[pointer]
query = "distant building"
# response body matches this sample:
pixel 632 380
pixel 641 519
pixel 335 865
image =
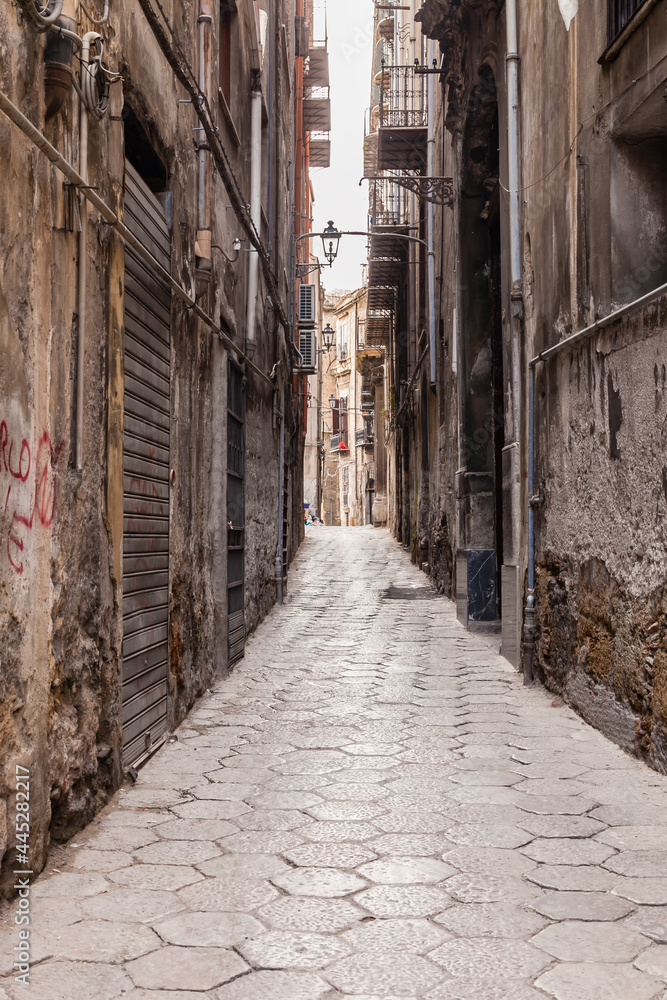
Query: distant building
pixel 349 405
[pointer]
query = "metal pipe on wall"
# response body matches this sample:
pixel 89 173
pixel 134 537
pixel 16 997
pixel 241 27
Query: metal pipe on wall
pixel 513 182
pixel 42 143
pixel 430 166
pixel 203 250
pixel 513 162
pixel 83 256
pixel 255 215
pixel 281 482
pixel 512 451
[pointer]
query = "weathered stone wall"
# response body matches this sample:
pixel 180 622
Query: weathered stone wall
pixel 60 530
pixel 594 237
pixel 602 538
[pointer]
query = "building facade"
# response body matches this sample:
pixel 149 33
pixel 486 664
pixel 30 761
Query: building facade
pixel 346 404
pixel 152 418
pixel 518 229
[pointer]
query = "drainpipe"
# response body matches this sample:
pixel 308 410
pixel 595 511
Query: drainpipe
pixel 204 264
pixel 513 166
pixel 430 160
pixel 516 303
pixel 255 215
pixel 279 553
pixel 58 56
pixel 529 612
pixel 271 185
pixel 83 254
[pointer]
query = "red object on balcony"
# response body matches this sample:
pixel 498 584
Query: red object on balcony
pixel 342 446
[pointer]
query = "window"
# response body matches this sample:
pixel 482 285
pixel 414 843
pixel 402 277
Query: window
pixel 226 17
pixel 620 13
pixel 362 333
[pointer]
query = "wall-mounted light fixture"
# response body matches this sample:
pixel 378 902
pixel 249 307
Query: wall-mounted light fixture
pixel 330 240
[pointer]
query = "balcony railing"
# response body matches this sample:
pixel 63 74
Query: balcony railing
pixel 620 13
pixel 363 438
pixel 337 440
pixel 389 203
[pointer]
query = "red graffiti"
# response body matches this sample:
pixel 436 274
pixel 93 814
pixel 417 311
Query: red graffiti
pixel 32 502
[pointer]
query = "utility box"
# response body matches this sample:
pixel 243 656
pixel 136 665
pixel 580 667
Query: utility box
pixel 307 305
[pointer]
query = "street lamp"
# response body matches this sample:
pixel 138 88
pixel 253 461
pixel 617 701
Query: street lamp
pixel 330 240
pixel 332 401
pixel 328 334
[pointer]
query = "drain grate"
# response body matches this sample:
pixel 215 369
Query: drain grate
pixel 408 594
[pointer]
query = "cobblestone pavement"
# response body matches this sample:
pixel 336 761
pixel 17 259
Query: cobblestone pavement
pixel 371 806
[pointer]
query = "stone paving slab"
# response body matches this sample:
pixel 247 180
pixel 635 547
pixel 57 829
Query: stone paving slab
pixel 370 807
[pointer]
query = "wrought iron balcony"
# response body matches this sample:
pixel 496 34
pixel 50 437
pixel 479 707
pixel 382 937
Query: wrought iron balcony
pixel 317 69
pixel 339 442
pixel 403 119
pixel 389 203
pixel 319 148
pixel 379 316
pixel 317 110
pixel 364 438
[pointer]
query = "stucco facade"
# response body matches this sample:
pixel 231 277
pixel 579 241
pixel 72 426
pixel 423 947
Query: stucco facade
pixel 350 398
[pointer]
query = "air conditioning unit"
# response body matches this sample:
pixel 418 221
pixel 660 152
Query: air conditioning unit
pixel 307 305
pixel 308 351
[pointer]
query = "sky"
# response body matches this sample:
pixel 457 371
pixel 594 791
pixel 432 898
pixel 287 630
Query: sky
pixel 337 192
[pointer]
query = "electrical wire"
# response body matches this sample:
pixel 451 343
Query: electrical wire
pixel 583 122
pixel 105 15
pixel 184 73
pixel 96 80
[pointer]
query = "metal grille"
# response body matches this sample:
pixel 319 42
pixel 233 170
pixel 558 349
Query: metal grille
pixel 402 98
pixel 235 513
pixel 389 203
pixel 337 440
pixel 147 322
pixel 621 13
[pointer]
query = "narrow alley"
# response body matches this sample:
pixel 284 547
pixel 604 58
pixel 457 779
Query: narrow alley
pixel 372 805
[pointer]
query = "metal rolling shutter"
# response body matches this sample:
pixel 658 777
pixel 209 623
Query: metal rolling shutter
pixel 145 475
pixel 235 513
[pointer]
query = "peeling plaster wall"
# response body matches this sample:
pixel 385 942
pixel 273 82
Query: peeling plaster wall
pixel 595 237
pixel 602 540
pixel 61 531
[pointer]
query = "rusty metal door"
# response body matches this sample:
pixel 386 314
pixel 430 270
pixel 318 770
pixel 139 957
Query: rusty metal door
pixel 147 321
pixel 235 512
